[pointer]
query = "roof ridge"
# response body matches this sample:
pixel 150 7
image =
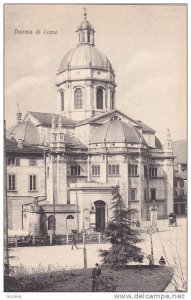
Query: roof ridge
pixel 109 124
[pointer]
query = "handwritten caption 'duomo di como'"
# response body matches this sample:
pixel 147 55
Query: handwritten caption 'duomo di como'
pixel 37 31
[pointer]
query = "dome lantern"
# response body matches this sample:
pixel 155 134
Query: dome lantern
pixel 86 31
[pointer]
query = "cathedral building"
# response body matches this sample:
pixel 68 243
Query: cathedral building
pixel 88 147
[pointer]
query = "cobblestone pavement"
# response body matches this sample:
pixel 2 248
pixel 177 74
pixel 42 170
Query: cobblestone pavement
pixel 171 242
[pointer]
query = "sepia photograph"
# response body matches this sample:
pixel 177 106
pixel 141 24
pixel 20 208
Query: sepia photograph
pixel 95 148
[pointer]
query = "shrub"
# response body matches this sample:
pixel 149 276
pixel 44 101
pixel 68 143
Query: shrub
pixel 37 279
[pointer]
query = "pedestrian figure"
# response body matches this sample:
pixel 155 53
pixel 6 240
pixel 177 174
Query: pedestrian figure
pixel 138 224
pixel 162 261
pixel 95 277
pixel 74 241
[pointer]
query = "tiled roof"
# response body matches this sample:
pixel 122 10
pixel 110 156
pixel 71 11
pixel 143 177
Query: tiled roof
pixel 46 118
pixel 12 146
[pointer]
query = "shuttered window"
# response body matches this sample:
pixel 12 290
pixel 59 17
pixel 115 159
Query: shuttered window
pixel 32 183
pixel 11 182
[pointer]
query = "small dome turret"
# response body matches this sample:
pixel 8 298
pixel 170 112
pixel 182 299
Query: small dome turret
pixel 25 131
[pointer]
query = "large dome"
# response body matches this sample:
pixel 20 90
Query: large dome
pixel 116 131
pixel 84 56
pixel 25 131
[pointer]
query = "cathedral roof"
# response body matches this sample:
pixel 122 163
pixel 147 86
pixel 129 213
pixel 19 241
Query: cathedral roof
pixel 116 131
pixel 100 116
pixel 46 118
pixel 84 56
pixel 25 131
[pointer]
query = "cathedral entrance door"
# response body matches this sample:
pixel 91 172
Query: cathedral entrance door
pixel 100 215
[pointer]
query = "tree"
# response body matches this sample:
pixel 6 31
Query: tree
pixel 122 236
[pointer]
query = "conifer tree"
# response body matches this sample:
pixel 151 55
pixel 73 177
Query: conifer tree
pixel 122 236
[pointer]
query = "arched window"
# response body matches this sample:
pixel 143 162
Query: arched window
pixel 83 36
pixel 78 99
pixel 99 98
pixel 70 223
pixel 51 223
pixel 70 217
pixel 88 34
pixel 62 100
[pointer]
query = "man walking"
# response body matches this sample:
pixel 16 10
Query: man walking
pixel 74 241
pixel 95 277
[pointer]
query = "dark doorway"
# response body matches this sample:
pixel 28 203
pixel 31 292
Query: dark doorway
pixel 100 215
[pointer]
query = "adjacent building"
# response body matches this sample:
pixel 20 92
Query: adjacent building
pixel 180 189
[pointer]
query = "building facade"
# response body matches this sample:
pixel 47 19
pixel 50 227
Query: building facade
pixel 180 189
pixel 26 179
pixel 92 147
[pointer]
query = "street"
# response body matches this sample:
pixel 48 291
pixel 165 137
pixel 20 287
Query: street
pixel 169 242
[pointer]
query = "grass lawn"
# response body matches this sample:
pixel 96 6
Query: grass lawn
pixel 138 278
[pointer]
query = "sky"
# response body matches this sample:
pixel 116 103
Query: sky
pixel 146 45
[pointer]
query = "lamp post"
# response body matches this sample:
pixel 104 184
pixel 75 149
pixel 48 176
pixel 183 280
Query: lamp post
pixel 153 228
pixel 152 254
pixel 84 250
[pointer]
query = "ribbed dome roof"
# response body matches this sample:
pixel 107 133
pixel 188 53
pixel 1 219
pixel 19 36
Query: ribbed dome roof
pixel 83 56
pixel 158 144
pixel 116 131
pixel 26 131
